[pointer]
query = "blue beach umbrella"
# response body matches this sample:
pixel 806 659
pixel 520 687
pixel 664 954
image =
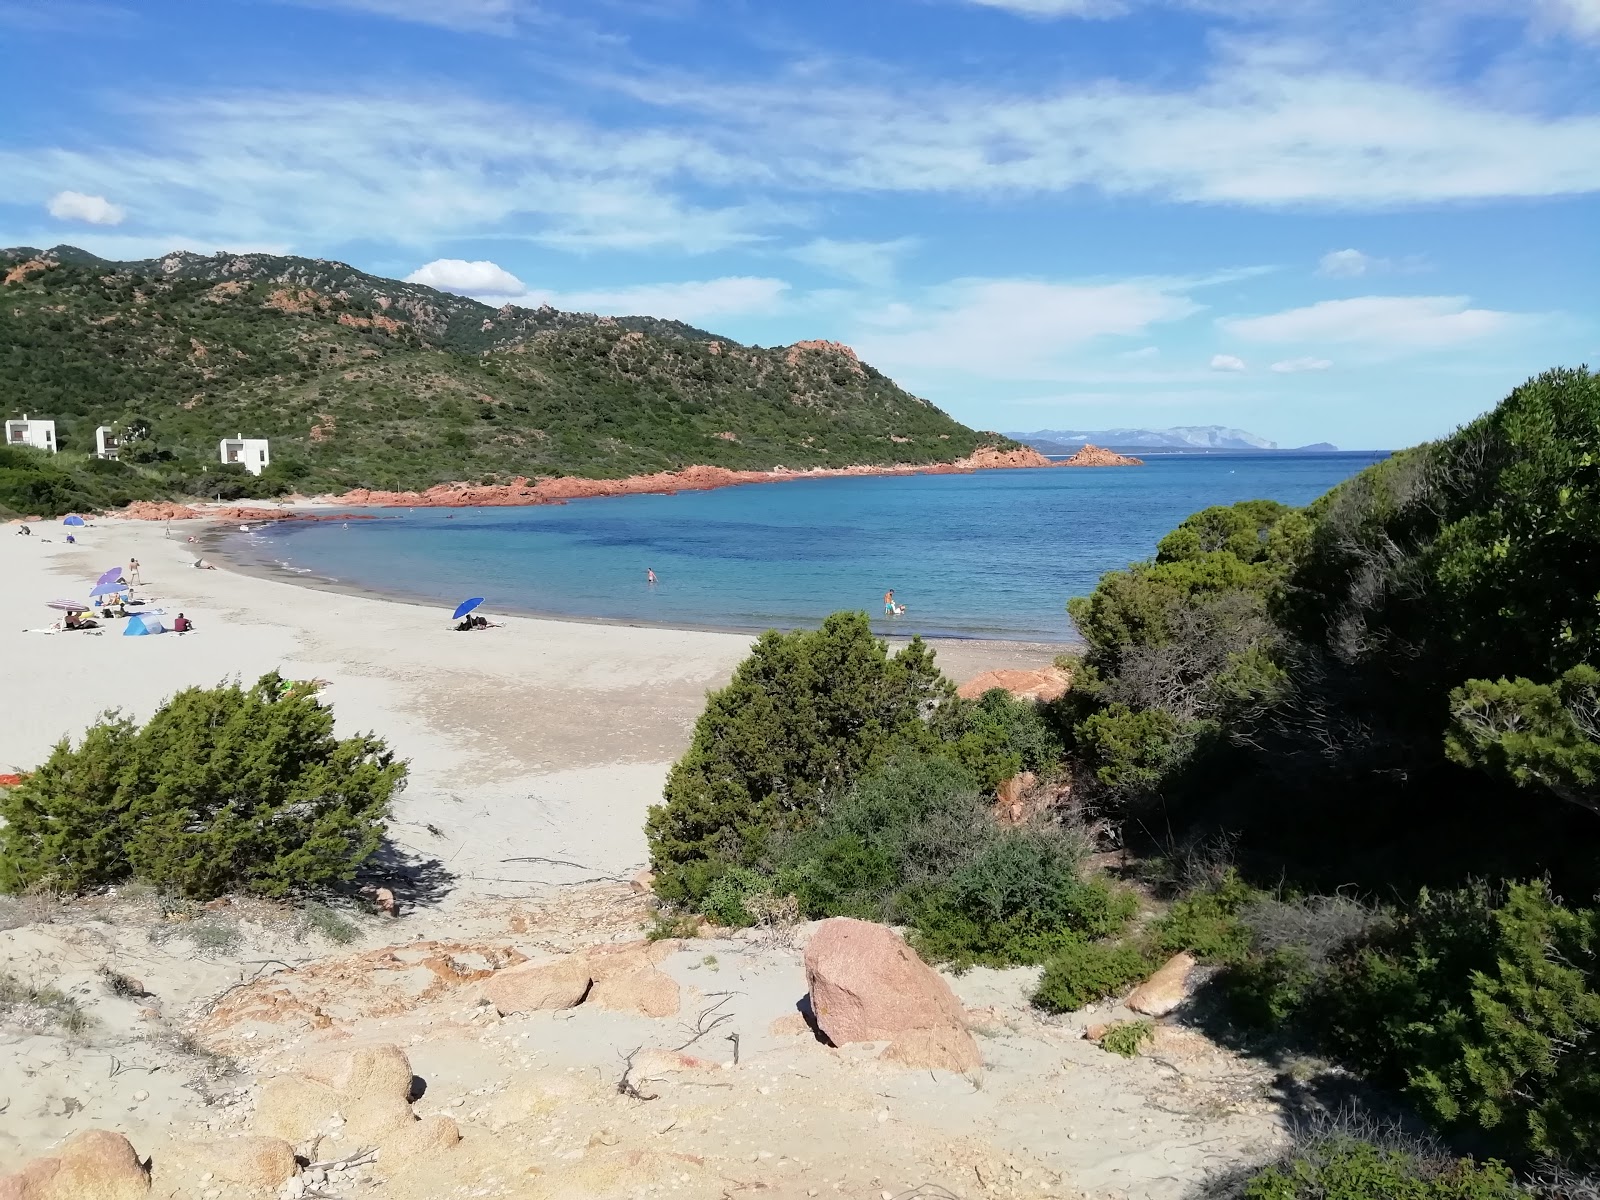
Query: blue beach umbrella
pixel 107 589
pixel 465 607
pixel 74 519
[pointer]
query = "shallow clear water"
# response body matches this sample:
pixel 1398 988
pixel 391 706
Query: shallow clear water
pixel 990 554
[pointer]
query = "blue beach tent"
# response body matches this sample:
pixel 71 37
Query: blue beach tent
pixel 74 519
pixel 140 624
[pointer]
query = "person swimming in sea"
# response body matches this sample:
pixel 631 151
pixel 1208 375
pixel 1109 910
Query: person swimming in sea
pixel 888 603
pixel 649 575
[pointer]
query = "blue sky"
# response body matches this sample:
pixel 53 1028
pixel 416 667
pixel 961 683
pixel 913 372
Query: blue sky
pixel 1315 219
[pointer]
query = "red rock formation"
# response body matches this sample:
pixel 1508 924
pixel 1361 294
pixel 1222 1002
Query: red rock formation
pixel 986 458
pixel 823 347
pixel 1099 456
pixel 157 510
pixel 867 985
pixel 1048 683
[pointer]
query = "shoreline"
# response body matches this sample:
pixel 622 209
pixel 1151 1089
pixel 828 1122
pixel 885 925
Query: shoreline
pixel 543 738
pixel 559 489
pixel 213 538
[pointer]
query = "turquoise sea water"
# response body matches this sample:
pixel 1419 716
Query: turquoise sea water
pixel 991 554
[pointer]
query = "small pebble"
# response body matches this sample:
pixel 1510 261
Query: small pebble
pixel 140 1097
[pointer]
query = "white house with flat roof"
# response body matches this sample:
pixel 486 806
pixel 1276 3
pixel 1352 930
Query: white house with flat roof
pixel 106 442
pixel 250 453
pixel 30 431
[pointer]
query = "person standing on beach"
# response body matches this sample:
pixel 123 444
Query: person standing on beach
pixel 649 575
pixel 133 572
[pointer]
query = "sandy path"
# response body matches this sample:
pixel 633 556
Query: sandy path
pixel 544 739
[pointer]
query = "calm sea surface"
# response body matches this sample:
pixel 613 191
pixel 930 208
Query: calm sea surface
pixel 992 554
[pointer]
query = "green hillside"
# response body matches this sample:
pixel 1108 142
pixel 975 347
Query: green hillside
pixel 368 382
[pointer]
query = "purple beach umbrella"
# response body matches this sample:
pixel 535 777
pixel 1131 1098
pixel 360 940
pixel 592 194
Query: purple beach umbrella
pixel 110 576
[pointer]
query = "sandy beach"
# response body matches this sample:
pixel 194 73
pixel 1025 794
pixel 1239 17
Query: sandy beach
pixel 535 749
pixel 540 740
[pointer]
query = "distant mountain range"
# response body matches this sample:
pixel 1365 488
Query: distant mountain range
pixel 1179 437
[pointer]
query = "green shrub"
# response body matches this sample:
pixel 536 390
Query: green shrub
pixel 1536 735
pixel 1348 1169
pixel 1485 1010
pixel 724 902
pixel 1082 972
pixel 998 736
pixel 805 716
pixel 1020 899
pixel 223 789
pixel 1133 752
pixel 1207 923
pixel 1125 1037
pixel 1269 990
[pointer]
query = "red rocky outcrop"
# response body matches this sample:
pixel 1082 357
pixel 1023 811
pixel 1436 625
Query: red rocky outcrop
pixel 867 985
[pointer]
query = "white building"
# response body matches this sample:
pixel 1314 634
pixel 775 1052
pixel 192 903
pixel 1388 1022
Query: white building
pixel 106 443
pixel 29 432
pixel 250 453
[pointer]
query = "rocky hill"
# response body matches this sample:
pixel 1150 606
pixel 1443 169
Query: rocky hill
pixel 368 382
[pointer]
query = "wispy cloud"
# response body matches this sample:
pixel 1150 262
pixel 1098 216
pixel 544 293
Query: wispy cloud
pixel 313 169
pixel 1017 328
pixel 1227 362
pixel 866 262
pixel 1261 130
pixel 1293 366
pixel 1405 322
pixel 476 16
pixel 1344 264
pixel 694 300
pixel 1058 8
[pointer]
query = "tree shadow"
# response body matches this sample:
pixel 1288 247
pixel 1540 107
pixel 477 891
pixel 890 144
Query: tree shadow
pixel 415 879
pixel 1317 1099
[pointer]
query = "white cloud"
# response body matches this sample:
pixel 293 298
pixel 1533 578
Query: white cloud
pixel 1016 328
pixel 469 278
pixel 689 301
pixel 1143 352
pixel 1291 366
pixel 1261 130
pixel 1581 17
pixel 75 206
pixel 871 263
pixel 314 169
pixel 1417 322
pixel 1344 264
pixel 482 16
pixel 1058 8
pixel 1227 362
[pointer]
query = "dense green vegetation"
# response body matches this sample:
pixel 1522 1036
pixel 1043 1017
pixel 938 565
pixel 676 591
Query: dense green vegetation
pixel 365 382
pixel 1355 749
pixel 223 789
pixel 854 781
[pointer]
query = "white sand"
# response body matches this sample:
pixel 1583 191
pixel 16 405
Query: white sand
pixel 541 740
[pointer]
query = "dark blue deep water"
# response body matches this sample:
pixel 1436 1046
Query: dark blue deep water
pixel 991 554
